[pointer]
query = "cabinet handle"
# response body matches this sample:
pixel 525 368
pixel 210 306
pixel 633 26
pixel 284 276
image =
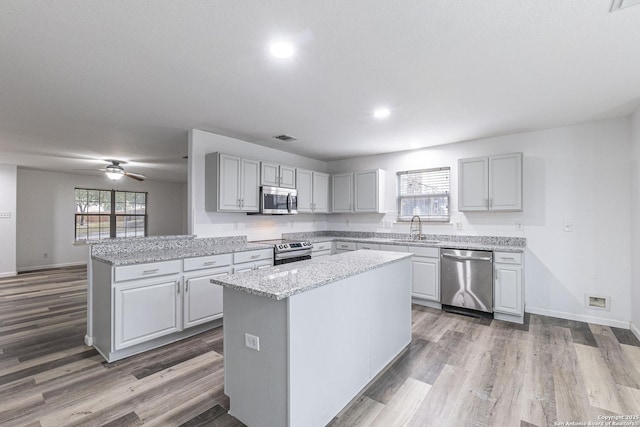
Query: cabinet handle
pixel 178 287
pixel 186 286
pixel 210 262
pixel 255 256
pixel 510 258
pixel 155 270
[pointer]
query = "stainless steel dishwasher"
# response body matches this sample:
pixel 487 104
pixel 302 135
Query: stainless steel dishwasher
pixel 466 281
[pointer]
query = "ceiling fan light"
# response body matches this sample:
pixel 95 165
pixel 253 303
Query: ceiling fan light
pixel 114 175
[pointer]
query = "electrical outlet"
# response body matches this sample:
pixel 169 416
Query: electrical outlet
pixel 235 225
pixel 458 225
pixel 567 226
pixel 519 226
pixel 252 341
pixel 348 223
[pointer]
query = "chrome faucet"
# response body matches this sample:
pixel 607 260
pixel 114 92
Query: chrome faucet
pixel 412 229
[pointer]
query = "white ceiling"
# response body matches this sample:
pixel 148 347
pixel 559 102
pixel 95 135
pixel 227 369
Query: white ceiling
pixel 84 80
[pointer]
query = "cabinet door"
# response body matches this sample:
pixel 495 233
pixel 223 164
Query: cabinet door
pixel 320 192
pixel 269 174
pixel 203 299
pixel 250 193
pixel 287 177
pixel 305 190
pixel 366 191
pixel 144 311
pixel 342 193
pixel 426 278
pixel 473 188
pixel 508 289
pixel 229 183
pixel 505 182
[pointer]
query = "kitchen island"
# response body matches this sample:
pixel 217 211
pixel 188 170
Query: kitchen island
pixel 302 339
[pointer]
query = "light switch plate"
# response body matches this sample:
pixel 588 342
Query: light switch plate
pixel 5 215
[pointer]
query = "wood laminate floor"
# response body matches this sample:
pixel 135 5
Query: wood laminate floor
pixel 458 371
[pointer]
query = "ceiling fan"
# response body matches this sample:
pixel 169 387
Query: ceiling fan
pixel 114 171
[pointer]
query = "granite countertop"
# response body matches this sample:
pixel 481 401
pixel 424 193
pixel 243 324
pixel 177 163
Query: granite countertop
pixel 186 251
pixel 285 280
pixel 422 243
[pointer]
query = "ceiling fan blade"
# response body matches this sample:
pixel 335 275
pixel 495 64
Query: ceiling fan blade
pixel 136 176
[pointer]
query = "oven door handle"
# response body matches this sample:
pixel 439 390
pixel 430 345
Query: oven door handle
pixel 293 254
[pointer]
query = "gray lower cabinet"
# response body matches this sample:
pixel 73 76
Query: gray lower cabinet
pixel 508 289
pixel 425 266
pixel 144 310
pixel 143 306
pixel 321 249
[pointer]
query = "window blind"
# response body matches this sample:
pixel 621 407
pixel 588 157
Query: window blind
pixel 424 193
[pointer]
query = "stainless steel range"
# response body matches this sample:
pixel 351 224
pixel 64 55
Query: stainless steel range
pixel 286 251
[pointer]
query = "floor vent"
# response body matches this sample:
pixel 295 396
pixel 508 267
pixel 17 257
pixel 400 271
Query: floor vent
pixel 285 137
pixel 623 4
pixel 597 302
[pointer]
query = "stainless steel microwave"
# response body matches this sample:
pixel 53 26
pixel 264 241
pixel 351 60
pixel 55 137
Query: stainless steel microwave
pixel 278 201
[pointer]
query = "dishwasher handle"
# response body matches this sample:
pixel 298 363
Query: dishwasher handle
pixel 467 258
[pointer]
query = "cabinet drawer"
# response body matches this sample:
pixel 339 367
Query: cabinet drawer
pixel 322 246
pixel 316 254
pixel 422 251
pixel 211 261
pixel 346 246
pixel 249 256
pixel 369 246
pixel 507 257
pixel 152 269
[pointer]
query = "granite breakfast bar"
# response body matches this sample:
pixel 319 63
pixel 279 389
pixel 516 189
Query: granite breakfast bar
pixel 302 339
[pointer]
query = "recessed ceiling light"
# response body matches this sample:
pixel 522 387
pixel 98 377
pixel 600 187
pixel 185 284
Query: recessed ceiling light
pixel 282 50
pixel 381 113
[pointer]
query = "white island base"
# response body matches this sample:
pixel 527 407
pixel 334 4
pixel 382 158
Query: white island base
pixel 317 349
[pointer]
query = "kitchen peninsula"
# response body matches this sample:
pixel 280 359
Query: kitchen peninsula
pixel 302 339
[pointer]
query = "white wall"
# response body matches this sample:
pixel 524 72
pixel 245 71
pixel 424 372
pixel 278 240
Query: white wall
pixel 255 227
pixel 581 173
pixel 46 207
pixel 635 224
pixel 8 176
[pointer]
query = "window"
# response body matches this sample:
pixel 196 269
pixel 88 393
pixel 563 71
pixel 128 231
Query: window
pixel 104 214
pixel 424 193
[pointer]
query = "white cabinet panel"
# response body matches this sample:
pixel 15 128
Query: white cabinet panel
pixel 313 191
pixel 144 311
pixel 342 193
pixel 203 299
pixel 426 278
pixel 275 175
pixel 231 183
pixel 369 190
pixel 305 190
pixel 508 286
pixel 505 182
pixel 491 183
pixel 473 186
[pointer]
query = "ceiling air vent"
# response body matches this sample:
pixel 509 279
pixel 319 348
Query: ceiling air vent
pixel 623 4
pixel 285 137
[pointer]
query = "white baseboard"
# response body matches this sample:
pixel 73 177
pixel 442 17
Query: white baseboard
pixel 45 267
pixel 579 317
pixel 635 330
pixel 9 274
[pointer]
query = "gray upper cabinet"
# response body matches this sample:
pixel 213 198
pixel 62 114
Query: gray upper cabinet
pixel 313 191
pixel 358 192
pixel 492 183
pixel 276 175
pixel 231 183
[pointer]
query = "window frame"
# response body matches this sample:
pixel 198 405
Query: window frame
pixel 425 218
pixel 112 215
